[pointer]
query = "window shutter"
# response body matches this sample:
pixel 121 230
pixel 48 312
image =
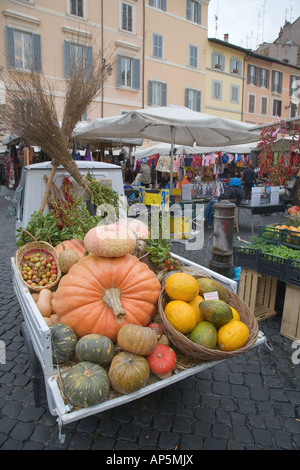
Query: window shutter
pixel 222 62
pixel 248 74
pixel 280 82
pixel 80 8
pixel 164 94
pixel 187 95
pixel 199 13
pixel 188 10
pixel 136 74
pixel 89 59
pixel 256 76
pixel 36 53
pixel 232 65
pixel 119 70
pixel 67 59
pixel 198 101
pixel 260 77
pixel 10 47
pixel 150 93
pixel 214 59
pixel 268 79
pixel 239 67
pixel 164 5
pixel 124 16
pixel 273 80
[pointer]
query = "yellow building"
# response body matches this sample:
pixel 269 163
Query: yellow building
pixel 175 53
pixel 225 79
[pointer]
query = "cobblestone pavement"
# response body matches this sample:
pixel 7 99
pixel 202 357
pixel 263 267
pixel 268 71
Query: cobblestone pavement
pixel 248 402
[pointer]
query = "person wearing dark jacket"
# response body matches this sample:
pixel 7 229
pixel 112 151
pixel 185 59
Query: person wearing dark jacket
pixel 234 193
pixel 249 180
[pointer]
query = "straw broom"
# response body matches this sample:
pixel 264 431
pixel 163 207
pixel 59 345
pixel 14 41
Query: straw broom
pixel 30 112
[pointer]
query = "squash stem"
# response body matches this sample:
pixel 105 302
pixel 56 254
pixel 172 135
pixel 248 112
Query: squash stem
pixel 112 298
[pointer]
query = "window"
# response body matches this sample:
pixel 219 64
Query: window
pixel 193 11
pixel 276 108
pixel 294 110
pixel 162 4
pixel 128 72
pixel 294 85
pixel 236 66
pixel 251 104
pixel 252 78
pixel 127 17
pixel 23 50
pixel 157 45
pixel 76 7
pixel 218 60
pixel 193 56
pixel 264 105
pixel 264 78
pixel 193 99
pixel 157 93
pixel 77 55
pixel 217 90
pixel 276 81
pixel 234 93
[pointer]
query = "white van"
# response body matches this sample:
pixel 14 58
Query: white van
pixel 32 186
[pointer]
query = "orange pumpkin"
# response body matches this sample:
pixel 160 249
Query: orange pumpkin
pixel 100 295
pixel 73 244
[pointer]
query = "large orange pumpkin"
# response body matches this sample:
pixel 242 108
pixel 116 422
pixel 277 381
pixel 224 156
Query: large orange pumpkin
pixel 99 295
pixel 73 244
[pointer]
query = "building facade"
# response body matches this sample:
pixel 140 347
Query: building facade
pixel 157 53
pixel 225 73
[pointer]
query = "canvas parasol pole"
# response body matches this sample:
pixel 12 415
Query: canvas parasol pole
pixel 171 164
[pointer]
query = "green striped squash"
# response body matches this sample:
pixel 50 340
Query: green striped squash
pixel 95 348
pixel 86 384
pixel 217 312
pixel 64 340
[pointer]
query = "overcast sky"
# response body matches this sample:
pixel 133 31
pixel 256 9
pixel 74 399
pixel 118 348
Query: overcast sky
pixel 250 22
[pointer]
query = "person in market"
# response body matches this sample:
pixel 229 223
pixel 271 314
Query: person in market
pixel 249 180
pixel 295 191
pixel 234 193
pixel 146 174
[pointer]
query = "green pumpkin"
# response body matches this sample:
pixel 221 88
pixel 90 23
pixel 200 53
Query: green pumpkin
pixel 217 312
pixel 86 384
pixel 205 334
pixel 64 341
pixel 95 348
pixel 128 372
pixel 210 285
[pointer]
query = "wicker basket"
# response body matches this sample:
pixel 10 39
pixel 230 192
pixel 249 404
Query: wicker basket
pixel 31 247
pixel 197 352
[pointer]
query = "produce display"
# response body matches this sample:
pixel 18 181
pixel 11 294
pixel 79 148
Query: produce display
pixel 39 268
pixel 107 333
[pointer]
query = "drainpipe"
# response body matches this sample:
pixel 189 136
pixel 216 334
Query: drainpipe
pixel 102 50
pixel 143 59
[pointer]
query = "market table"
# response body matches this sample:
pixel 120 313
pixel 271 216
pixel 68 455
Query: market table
pixel 263 209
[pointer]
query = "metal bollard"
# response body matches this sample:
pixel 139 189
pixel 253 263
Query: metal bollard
pixel 222 251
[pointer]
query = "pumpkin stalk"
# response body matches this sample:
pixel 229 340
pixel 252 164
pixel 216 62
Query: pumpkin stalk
pixel 112 299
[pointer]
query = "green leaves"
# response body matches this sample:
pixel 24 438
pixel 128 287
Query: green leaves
pixel 160 253
pixel 42 228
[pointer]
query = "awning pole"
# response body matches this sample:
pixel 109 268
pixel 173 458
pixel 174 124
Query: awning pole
pixel 171 165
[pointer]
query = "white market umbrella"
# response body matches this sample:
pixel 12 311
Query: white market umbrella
pixel 175 124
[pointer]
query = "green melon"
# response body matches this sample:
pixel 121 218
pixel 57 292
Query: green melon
pixel 95 348
pixel 205 334
pixel 86 384
pixel 217 312
pixel 209 285
pixel 63 340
